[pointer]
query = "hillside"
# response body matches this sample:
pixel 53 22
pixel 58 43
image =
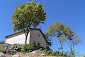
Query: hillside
pixel 30 54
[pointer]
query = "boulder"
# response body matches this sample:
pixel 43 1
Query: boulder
pixel 2 54
pixel 15 55
pixel 34 52
pixel 9 47
pixel 43 54
pixel 12 52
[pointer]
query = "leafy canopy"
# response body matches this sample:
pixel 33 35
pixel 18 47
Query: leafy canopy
pixel 28 15
pixel 58 30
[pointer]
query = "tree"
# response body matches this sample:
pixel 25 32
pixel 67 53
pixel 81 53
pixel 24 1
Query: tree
pixel 48 41
pixel 73 39
pixel 76 40
pixel 57 30
pixel 64 34
pixel 28 15
pixel 69 34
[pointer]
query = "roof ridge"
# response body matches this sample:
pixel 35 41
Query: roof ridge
pixel 21 32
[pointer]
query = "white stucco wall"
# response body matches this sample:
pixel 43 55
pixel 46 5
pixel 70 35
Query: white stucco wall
pixel 37 39
pixel 33 36
pixel 18 39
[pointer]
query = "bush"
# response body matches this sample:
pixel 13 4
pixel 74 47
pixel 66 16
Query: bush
pixel 64 54
pixel 60 54
pixel 40 49
pixel 2 42
pixel 57 53
pixel 1 49
pixel 44 51
pixel 47 52
pixel 27 47
pixel 48 48
pixel 52 53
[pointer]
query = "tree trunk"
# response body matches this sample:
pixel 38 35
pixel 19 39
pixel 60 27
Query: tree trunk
pixel 70 45
pixel 73 45
pixel 61 47
pixel 73 48
pixel 26 35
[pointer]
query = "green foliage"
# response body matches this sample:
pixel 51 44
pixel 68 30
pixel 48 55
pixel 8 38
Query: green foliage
pixel 48 48
pixel 40 49
pixel 47 52
pixel 70 53
pixel 2 42
pixel 52 53
pixel 64 54
pixel 1 49
pixel 76 54
pixel 58 30
pixel 48 41
pixel 57 52
pixel 27 47
pixel 64 34
pixel 27 15
pixel 82 55
pixel 60 53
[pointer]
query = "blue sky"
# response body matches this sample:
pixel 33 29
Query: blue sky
pixel 69 12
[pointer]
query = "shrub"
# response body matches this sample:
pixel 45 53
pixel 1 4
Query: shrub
pixel 1 49
pixel 47 52
pixel 52 53
pixel 57 53
pixel 48 48
pixel 40 49
pixel 64 54
pixel 44 51
pixel 27 47
pixel 2 42
pixel 60 54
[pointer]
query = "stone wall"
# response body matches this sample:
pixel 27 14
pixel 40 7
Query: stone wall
pixel 11 48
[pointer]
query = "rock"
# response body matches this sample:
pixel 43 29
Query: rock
pixel 12 52
pixel 43 54
pixel 15 55
pixel 9 47
pixel 34 52
pixel 2 54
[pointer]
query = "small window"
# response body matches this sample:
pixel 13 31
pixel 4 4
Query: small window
pixel 38 44
pixel 39 35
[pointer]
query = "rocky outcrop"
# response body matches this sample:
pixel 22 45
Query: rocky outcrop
pixel 12 46
pixel 2 54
